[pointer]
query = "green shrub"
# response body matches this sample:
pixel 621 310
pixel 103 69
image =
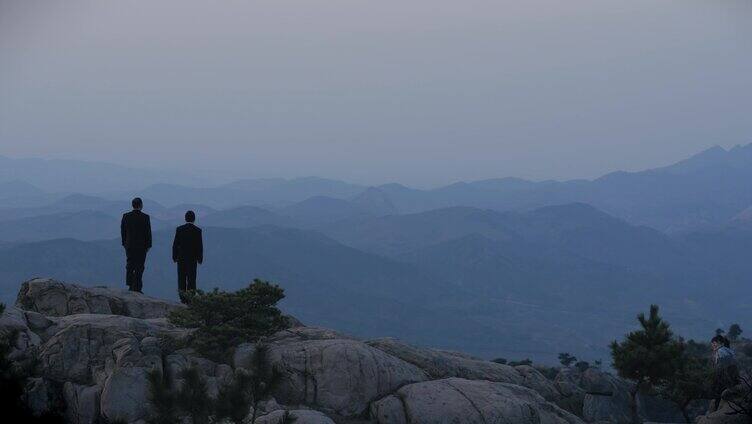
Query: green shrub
pixel 582 366
pixel 192 396
pixel 164 409
pixel 567 359
pixel 225 319
pixel 526 361
pixel 548 372
pixel 234 401
pixel 649 356
pixel 734 332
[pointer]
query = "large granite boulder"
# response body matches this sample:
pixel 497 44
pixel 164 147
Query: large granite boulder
pixel 334 372
pixel 442 364
pixel 14 322
pixel 724 415
pixel 83 345
pixel 572 395
pixel 534 379
pixel 456 400
pixel 96 346
pixel 55 298
pixel 124 397
pixel 82 403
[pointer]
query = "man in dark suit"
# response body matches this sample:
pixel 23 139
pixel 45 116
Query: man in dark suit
pixel 188 252
pixel 135 234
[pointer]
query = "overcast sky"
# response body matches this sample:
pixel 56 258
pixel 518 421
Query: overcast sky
pixel 422 92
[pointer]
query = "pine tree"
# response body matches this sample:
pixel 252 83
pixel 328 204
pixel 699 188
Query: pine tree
pixel 567 359
pixel 734 331
pixel 582 366
pixel 162 398
pixel 648 356
pixel 192 396
pixel 690 381
pixel 225 319
pixel 235 399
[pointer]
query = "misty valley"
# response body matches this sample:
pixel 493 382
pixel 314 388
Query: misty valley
pixel 504 267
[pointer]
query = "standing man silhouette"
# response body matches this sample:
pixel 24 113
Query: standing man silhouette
pixel 188 252
pixel 135 234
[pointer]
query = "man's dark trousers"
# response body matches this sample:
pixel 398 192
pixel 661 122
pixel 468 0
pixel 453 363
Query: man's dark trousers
pixel 187 275
pixel 134 268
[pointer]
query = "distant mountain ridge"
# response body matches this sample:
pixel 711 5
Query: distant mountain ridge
pixel 706 190
pixel 531 273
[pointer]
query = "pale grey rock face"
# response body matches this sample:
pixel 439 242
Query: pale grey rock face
pixel 342 375
pixel 602 383
pixel 456 400
pixel 82 344
pixel 572 395
pixel 95 358
pixel 599 396
pixel 308 333
pixel 390 409
pixel 14 320
pixel 124 396
pixel 724 415
pixel 302 416
pixel 54 298
pixel 533 379
pixel 82 403
pixel 442 364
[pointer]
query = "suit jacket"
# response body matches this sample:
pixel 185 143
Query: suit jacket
pixel 135 230
pixel 188 245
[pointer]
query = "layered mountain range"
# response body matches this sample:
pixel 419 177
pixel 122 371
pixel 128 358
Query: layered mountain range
pixel 502 267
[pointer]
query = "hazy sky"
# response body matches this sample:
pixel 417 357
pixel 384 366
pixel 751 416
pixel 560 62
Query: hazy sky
pixel 422 92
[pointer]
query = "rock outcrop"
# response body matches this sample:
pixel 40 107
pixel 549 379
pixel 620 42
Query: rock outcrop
pixel 442 364
pixel 96 346
pixel 54 298
pixel 457 400
pixel 334 372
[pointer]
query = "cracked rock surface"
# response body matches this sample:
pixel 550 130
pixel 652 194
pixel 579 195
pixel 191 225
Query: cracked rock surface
pixel 459 400
pixel 95 347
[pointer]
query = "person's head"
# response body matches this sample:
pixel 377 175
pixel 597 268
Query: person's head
pixel 719 341
pixel 137 203
pixel 190 216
